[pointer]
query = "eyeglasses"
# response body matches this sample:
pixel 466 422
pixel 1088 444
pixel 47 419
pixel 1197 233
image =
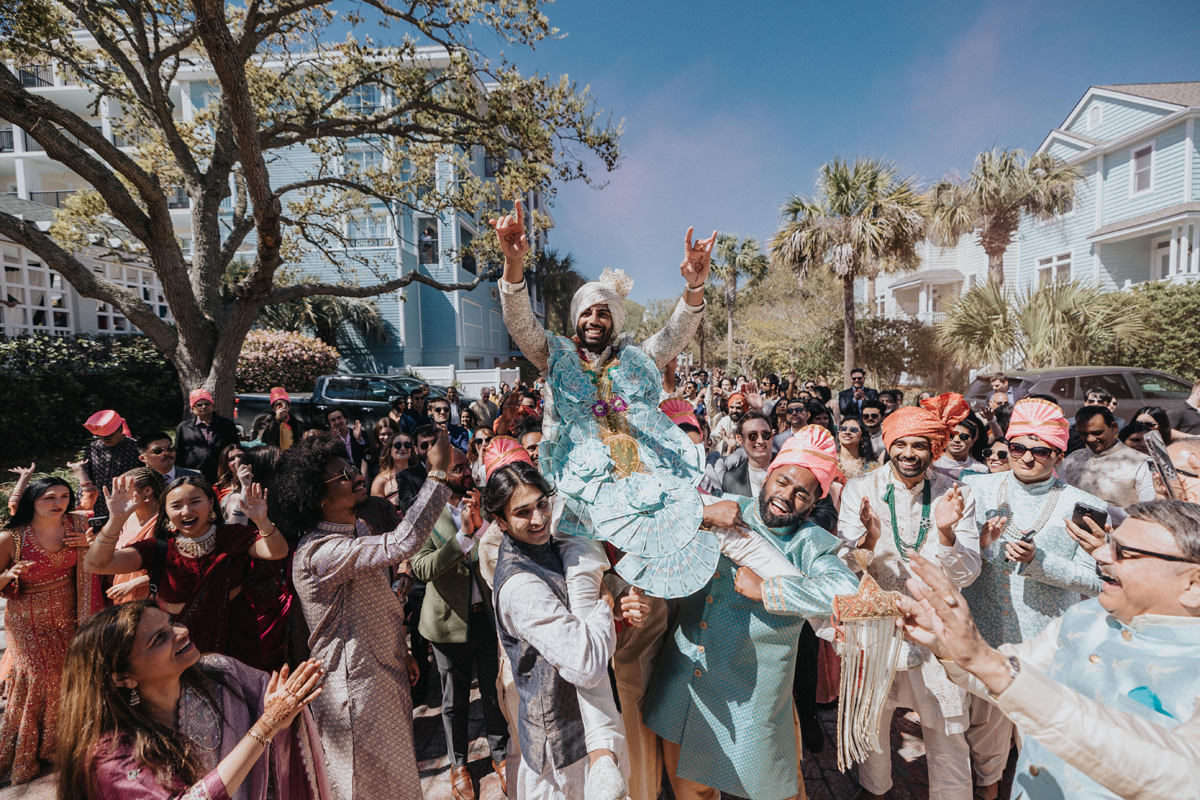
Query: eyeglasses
pixel 347 474
pixel 962 437
pixel 754 436
pixel 402 445
pixel 849 429
pixel 1000 454
pixel 1018 451
pixel 439 409
pixel 158 451
pixel 870 417
pixel 1122 551
pixel 423 446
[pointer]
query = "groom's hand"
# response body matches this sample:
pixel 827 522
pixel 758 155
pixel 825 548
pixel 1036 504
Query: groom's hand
pixel 697 260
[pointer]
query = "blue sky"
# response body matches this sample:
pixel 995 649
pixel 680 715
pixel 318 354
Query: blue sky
pixel 730 108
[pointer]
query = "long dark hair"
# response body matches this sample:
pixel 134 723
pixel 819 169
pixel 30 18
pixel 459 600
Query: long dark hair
pixel 1160 418
pixel 93 708
pixel 227 478
pixel 24 513
pixel 505 481
pixel 160 529
pixel 865 448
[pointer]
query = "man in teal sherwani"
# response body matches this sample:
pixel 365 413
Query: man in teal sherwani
pixel 721 695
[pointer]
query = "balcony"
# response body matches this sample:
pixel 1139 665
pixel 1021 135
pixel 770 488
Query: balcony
pixel 55 199
pixel 378 241
pixel 36 76
pixel 33 146
pixel 6 141
pixel 176 197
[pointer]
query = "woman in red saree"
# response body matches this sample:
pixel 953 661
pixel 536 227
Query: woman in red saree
pixel 145 715
pixel 48 595
pixel 204 562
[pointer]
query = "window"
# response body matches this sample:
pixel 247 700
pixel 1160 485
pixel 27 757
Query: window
pixel 1115 383
pixel 1160 259
pixel 427 241
pixel 1141 165
pixel 468 258
pixel 492 165
pixel 497 328
pixel 1063 387
pixel 364 100
pixel 35 298
pixel 364 159
pixel 1156 387
pixel 343 389
pixel 109 319
pixel 1093 118
pixel 369 231
pixel 472 320
pixel 380 391
pixel 1055 269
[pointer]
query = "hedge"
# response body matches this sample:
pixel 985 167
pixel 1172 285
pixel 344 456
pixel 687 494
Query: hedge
pixel 281 358
pixel 50 384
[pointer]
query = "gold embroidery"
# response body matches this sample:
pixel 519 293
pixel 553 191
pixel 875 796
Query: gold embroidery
pixel 614 428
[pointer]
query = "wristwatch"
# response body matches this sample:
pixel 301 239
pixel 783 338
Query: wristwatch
pixel 438 475
pixel 1014 669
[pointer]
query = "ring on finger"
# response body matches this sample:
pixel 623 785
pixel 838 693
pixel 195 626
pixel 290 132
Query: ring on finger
pixel 950 600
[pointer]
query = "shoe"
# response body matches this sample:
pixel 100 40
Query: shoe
pixel 460 783
pixel 812 734
pixel 500 771
pixel 605 781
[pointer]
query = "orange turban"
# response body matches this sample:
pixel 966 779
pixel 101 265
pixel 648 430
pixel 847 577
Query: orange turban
pixel 737 396
pixel 503 450
pixel 934 419
pixel 812 448
pixel 680 412
pixel 106 423
pixel 1040 418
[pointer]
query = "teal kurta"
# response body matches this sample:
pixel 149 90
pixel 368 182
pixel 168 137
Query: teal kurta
pixel 1014 601
pixel 722 689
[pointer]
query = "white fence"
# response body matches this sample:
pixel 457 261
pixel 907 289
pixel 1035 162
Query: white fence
pixel 469 381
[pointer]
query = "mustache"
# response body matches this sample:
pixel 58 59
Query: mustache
pixel 1104 576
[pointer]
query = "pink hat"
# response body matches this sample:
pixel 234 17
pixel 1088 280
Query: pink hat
pixel 197 395
pixel 812 448
pixel 503 450
pixel 279 393
pixel 680 412
pixel 1041 418
pixel 106 423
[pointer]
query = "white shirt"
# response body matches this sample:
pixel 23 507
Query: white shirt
pixel 757 478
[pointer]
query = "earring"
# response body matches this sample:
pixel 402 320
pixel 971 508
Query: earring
pixel 212 516
pixel 171 527
pixel 134 697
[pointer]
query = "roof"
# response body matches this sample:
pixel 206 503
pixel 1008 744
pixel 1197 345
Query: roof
pixel 928 276
pixel 1142 220
pixel 1184 93
pixel 1072 135
pixel 26 209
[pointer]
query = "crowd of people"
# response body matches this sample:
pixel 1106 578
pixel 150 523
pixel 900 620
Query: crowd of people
pixel 638 567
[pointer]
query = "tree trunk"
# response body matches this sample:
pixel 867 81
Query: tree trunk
pixel 703 326
pixel 871 296
pixel 996 266
pixel 729 340
pixel 851 338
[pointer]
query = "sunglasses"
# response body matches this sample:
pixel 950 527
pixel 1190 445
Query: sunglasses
pixel 871 417
pixel 796 410
pixel 423 446
pixel 754 436
pixel 962 437
pixel 849 429
pixel 1018 451
pixel 347 474
pixel 1000 454
pixel 402 445
pixel 1122 552
pixel 158 451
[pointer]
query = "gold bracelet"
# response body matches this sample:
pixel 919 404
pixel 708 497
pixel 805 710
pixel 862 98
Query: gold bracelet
pixel 274 530
pixel 258 737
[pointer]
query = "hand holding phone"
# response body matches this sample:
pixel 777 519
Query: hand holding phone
pixel 1097 515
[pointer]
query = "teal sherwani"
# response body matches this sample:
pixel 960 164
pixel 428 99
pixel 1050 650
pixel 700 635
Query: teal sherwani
pixel 722 689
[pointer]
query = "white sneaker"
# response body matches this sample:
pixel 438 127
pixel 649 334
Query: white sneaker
pixel 605 781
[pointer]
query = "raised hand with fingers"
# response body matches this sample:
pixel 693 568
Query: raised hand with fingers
pixel 991 530
pixel 697 260
pixel 255 504
pixel 288 693
pixel 871 523
pixel 754 398
pixel 23 473
pixel 122 499
pixel 510 232
pixel 950 509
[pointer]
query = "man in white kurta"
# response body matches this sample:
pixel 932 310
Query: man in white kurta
pixel 893 512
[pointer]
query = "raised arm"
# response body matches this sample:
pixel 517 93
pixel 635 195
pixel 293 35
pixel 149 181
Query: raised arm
pixel 526 331
pixel 681 327
pixel 102 556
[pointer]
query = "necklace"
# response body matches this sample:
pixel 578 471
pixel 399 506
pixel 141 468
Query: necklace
pixel 199 547
pixel 1002 506
pixel 907 548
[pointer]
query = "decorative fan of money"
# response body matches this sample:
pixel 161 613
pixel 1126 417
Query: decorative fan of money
pixel 869 642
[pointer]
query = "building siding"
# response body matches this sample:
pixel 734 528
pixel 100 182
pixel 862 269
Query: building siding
pixel 1117 117
pixel 1166 177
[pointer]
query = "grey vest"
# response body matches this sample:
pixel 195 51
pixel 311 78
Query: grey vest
pixel 549 707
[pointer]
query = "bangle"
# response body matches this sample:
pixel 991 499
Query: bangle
pixel 274 530
pixel 691 288
pixel 258 737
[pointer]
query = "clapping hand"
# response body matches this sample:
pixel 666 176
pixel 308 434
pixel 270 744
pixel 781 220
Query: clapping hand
pixel 872 525
pixel 991 530
pixel 358 430
pixel 122 499
pixel 510 231
pixel 950 509
pixel 697 259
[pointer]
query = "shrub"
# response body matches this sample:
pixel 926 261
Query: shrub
pixel 281 358
pixel 50 384
pixel 1172 340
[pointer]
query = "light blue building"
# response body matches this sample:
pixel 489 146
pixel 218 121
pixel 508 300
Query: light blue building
pixel 1136 216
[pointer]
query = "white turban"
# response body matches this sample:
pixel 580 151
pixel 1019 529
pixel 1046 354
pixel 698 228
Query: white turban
pixel 611 290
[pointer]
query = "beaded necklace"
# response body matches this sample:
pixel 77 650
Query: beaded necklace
pixel 907 548
pixel 1002 506
pixel 198 547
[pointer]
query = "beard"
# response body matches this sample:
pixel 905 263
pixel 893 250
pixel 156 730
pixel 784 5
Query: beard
pixel 773 520
pixel 595 346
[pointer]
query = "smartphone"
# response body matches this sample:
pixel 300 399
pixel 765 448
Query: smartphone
pixel 1099 516
pixel 1027 537
pixel 1160 461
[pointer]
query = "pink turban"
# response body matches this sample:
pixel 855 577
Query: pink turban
pixel 934 419
pixel 197 395
pixel 279 393
pixel 106 423
pixel 679 412
pixel 814 449
pixel 501 451
pixel 1040 418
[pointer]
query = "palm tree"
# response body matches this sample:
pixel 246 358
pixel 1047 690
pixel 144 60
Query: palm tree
pixel 864 220
pixel 1002 186
pixel 559 281
pixel 1057 324
pixel 735 259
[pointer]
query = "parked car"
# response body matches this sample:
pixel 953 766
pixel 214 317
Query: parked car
pixel 1131 387
pixel 366 397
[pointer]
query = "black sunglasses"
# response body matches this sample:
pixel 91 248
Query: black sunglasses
pixel 158 451
pixel 347 474
pixel 1122 551
pixel 754 436
pixel 962 437
pixel 870 416
pixel 402 445
pixel 1000 454
pixel 1018 451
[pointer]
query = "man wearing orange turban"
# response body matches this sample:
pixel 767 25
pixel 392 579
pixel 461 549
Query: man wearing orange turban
pixel 1033 571
pixel 726 719
pixel 904 508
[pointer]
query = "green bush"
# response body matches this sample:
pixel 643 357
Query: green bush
pixel 50 384
pixel 1170 312
pixel 281 358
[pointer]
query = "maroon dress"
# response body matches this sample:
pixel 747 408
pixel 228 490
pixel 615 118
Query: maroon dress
pixel 216 623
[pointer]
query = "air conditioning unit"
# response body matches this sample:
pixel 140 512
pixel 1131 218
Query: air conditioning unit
pixel 495 294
